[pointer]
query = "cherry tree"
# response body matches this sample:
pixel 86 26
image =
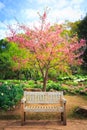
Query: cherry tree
pixel 47 47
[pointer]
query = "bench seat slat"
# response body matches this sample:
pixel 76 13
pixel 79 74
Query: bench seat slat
pixel 43 108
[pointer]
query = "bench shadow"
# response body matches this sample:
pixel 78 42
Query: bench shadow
pixel 35 123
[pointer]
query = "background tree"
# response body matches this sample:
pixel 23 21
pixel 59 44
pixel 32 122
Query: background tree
pixel 5 59
pixel 47 48
pixel 71 28
pixel 82 34
pixel 9 68
pixel 78 28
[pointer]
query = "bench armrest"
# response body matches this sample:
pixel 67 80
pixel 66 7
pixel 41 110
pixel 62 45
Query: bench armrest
pixel 63 100
pixel 23 100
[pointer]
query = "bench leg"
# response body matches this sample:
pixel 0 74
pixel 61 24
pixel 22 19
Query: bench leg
pixel 61 116
pixel 23 114
pixel 64 115
pixel 64 118
pixel 22 118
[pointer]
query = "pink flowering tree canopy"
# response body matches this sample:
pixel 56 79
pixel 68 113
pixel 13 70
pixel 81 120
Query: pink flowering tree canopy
pixel 47 48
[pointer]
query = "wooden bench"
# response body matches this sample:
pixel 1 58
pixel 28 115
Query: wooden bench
pixel 43 102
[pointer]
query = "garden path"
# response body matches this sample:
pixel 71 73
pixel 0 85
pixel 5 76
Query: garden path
pixel 43 125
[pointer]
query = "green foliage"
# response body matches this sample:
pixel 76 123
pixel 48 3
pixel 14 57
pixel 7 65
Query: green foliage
pixel 53 85
pixel 78 28
pixel 63 78
pixel 5 59
pixel 82 34
pixel 82 31
pixel 29 84
pixel 9 67
pixel 69 82
pixel 71 27
pixel 10 95
pixel 39 85
pixel 65 88
pixel 72 84
pixel 53 74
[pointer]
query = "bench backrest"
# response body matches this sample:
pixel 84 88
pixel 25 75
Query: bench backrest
pixel 43 97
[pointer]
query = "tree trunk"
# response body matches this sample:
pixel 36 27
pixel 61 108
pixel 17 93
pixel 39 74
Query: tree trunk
pixel 44 83
pixel 45 77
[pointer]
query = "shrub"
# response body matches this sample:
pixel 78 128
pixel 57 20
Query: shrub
pixel 38 85
pixel 65 88
pixel 73 83
pixel 53 85
pixel 10 95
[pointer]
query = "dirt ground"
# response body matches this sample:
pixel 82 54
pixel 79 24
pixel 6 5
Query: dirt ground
pixel 43 125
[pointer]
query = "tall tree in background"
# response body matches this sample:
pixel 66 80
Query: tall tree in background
pixel 47 47
pixel 7 62
pixel 71 28
pixel 82 34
